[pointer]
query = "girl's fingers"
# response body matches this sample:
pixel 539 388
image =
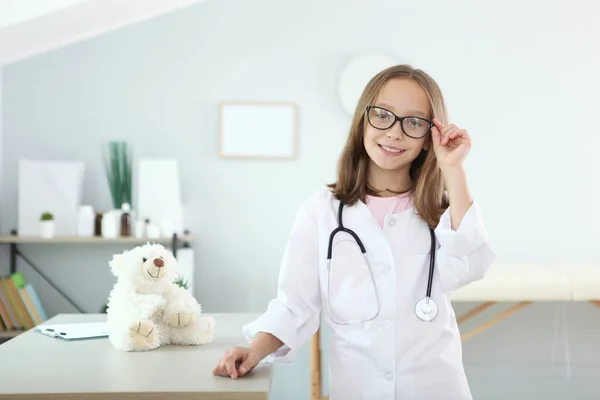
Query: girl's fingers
pixel 438 124
pixel 221 366
pixel 444 131
pixel 435 136
pixel 450 134
pixel 219 370
pixel 443 134
pixel 458 133
pixel 231 370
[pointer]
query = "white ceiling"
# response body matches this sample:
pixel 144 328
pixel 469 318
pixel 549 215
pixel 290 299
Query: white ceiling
pixel 15 11
pixel 30 27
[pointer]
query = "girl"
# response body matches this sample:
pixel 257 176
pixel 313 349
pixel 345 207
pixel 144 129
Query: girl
pixel 401 190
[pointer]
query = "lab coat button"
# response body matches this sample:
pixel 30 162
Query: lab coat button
pixel 388 375
pixel 392 222
pixel 386 270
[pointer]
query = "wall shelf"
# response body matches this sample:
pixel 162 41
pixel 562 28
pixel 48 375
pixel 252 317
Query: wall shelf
pixel 176 241
pixel 11 334
pixel 85 240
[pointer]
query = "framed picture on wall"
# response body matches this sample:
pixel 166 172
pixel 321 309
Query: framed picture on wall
pixel 258 130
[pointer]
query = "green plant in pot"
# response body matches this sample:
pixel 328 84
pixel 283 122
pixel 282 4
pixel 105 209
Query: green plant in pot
pixel 118 168
pixel 47 225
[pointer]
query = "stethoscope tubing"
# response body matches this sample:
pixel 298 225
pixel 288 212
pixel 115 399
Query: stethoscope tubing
pixel 426 300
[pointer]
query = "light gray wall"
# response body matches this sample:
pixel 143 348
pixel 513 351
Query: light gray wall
pixel 523 83
pixel 1 136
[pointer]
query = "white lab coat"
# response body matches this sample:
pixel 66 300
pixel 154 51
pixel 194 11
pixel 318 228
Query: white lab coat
pixel 396 355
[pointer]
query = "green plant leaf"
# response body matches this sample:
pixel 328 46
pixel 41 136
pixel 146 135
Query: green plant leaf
pixel 181 282
pixel 118 168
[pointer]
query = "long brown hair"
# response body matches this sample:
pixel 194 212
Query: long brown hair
pixel 351 185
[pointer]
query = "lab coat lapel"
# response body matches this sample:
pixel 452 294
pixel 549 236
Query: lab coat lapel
pixel 412 235
pixel 360 219
pixel 381 258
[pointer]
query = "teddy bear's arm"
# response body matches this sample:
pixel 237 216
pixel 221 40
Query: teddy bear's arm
pixel 147 305
pixel 183 302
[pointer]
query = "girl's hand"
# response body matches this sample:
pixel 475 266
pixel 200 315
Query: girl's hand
pixel 237 362
pixel 450 144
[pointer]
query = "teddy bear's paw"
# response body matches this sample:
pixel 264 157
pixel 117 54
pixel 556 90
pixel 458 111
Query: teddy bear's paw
pixel 143 334
pixel 154 312
pixel 206 330
pixel 179 320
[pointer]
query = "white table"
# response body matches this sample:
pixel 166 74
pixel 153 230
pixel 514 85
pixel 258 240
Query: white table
pixel 522 284
pixel 34 366
pixel 525 284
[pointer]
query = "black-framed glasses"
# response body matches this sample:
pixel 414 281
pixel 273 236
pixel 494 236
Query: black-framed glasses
pixel 383 119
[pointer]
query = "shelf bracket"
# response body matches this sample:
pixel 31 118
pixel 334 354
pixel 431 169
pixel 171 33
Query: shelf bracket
pixel 13 258
pixel 40 273
pixel 174 244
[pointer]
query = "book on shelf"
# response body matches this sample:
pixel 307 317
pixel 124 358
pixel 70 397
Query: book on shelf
pixel 20 306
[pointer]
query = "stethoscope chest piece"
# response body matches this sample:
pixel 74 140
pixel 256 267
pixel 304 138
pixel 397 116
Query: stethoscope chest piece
pixel 426 309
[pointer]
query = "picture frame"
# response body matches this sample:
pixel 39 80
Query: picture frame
pixel 258 130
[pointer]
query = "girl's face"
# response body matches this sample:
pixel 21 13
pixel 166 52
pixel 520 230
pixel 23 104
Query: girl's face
pixel 390 147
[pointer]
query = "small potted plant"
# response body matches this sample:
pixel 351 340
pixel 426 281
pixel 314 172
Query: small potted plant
pixel 47 225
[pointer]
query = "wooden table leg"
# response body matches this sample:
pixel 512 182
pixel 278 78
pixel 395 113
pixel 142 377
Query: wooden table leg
pixel 494 320
pixel 479 309
pixel 315 366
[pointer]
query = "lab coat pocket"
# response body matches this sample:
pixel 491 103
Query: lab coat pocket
pixel 350 289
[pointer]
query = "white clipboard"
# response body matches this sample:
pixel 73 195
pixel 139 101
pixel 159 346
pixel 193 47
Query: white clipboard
pixel 75 331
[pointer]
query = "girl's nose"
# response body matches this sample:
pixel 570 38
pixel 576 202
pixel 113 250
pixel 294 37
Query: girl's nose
pixel 395 132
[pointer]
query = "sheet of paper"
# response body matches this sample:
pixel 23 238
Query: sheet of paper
pixel 159 194
pixel 74 330
pixel 49 186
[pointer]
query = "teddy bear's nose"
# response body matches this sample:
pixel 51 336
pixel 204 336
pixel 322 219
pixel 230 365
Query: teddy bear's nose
pixel 159 262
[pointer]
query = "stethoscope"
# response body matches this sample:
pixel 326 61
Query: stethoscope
pixel 426 309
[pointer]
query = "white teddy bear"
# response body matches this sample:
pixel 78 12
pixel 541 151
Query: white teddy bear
pixel 146 309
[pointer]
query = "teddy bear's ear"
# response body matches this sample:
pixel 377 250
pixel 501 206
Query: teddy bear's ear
pixel 115 263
